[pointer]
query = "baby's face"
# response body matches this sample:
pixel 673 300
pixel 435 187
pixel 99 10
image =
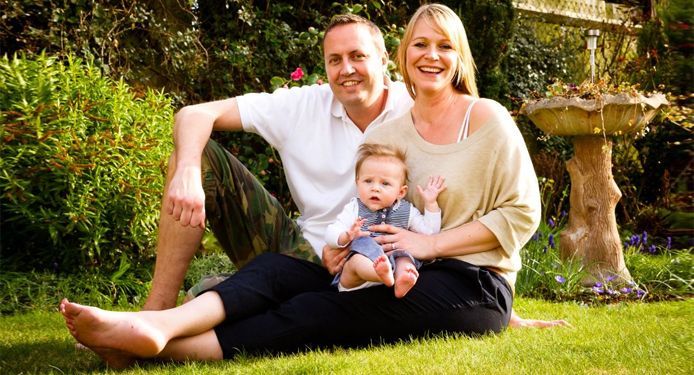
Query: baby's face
pixel 381 182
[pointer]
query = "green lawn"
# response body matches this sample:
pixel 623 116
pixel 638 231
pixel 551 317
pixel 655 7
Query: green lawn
pixel 635 338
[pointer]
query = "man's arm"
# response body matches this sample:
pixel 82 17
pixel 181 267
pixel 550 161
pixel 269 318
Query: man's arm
pixel 193 125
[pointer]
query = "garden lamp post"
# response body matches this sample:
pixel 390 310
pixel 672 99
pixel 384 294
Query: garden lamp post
pixel 592 44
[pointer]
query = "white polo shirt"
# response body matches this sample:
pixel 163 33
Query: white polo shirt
pixel 318 143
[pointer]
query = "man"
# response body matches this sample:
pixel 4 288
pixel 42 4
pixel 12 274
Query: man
pixel 316 130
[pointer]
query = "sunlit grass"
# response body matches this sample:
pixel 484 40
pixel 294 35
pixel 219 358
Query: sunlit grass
pixel 617 339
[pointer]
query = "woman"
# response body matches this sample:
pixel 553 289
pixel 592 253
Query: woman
pixel 492 210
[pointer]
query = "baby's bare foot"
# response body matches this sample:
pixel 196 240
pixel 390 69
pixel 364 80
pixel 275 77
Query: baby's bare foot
pixel 126 332
pixel 384 270
pixel 405 278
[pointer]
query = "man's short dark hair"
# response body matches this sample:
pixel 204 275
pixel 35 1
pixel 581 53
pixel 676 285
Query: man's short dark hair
pixel 348 19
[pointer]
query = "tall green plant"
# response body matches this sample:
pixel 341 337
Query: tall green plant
pixel 82 165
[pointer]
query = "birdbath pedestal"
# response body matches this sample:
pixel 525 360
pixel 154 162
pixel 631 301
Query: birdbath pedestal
pixel 591 234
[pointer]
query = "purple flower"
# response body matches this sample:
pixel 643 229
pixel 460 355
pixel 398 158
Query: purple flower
pixel 625 290
pixel 563 213
pixel 550 222
pixel 651 249
pixel 611 292
pixel 644 237
pixel 551 241
pixel 598 285
pixel 536 236
pixel 640 293
pixel 560 279
pixel 610 278
pixel 634 240
pixel 669 242
pixel 598 290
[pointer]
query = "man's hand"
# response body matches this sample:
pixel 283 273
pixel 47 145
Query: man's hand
pixel 334 259
pixel 185 198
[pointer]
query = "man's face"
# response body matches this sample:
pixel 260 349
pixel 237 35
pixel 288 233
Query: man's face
pixel 354 65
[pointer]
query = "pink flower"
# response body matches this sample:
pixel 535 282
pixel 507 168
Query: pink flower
pixel 297 74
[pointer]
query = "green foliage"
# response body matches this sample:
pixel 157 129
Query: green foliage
pixel 489 27
pixel 147 43
pixel 21 292
pixel 544 274
pixel 82 165
pixel 209 264
pixel 658 272
pixel 664 47
pixel 667 274
pixel 661 165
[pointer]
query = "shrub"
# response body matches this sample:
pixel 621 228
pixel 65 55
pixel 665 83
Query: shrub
pixel 26 291
pixel 82 165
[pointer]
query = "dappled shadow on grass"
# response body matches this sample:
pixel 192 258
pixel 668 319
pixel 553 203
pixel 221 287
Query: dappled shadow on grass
pixel 61 357
pixel 49 356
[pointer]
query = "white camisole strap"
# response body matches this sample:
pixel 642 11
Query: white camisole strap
pixel 465 127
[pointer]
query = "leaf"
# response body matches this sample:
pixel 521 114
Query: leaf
pixel 277 82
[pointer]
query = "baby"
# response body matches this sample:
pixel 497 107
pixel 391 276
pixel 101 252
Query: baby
pixel 381 177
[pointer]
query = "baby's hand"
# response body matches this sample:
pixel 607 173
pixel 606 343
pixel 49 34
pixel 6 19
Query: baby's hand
pixel 355 231
pixel 431 192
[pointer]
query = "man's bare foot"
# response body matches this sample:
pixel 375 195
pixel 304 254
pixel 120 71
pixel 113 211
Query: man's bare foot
pixel 384 270
pixel 115 359
pixel 127 332
pixel 405 277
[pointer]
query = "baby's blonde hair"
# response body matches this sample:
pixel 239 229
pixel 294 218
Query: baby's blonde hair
pixel 374 150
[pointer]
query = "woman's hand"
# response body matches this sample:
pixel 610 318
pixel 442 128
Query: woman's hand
pixel 420 246
pixel 334 259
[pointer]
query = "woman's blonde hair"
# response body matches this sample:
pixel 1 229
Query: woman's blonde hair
pixel 445 21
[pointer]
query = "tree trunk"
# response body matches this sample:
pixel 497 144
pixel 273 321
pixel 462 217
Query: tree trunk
pixel 592 234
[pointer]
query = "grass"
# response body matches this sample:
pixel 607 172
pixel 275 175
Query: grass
pixel 627 338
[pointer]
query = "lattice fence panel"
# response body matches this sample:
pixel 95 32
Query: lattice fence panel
pixel 594 14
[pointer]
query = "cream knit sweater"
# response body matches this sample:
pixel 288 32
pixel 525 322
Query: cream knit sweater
pixel 490 178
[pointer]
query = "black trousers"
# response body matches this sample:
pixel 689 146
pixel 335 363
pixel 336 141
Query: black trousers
pixel 280 304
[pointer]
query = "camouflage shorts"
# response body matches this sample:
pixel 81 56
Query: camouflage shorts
pixel 244 217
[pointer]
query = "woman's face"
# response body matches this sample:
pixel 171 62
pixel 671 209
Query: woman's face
pixel 431 59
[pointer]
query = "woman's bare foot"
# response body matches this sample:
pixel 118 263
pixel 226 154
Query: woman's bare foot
pixel 405 277
pixel 108 333
pixel 384 270
pixel 518 322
